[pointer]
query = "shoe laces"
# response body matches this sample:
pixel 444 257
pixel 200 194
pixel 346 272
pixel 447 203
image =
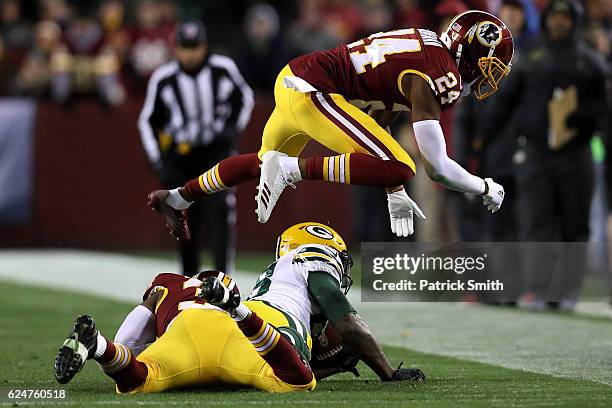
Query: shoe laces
pixel 286 180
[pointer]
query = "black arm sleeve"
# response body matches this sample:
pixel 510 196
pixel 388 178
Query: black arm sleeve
pixel 325 291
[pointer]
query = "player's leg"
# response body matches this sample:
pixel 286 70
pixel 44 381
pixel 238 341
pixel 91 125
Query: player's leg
pixel 280 135
pixel 85 343
pixel 284 349
pixel 369 155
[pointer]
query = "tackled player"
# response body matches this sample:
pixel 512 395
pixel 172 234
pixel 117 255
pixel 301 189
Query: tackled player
pixel 324 96
pixel 197 332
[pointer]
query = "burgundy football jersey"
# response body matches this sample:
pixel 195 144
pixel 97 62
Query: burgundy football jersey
pixel 368 72
pixel 178 293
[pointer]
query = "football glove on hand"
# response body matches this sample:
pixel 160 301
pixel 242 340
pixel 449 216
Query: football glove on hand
pixel 493 196
pixel 407 374
pixel 221 291
pixel 401 211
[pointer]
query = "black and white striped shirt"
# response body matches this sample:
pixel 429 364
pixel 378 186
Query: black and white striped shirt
pixel 194 109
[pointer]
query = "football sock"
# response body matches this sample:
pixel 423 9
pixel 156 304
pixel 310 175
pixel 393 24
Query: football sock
pixel 278 352
pixel 176 200
pixel 290 166
pixel 241 312
pixel 101 346
pixel 227 173
pixel 358 168
pixel 118 362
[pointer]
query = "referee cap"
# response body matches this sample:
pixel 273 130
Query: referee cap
pixel 190 33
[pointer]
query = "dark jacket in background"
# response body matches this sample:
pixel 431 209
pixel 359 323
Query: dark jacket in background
pixel 544 67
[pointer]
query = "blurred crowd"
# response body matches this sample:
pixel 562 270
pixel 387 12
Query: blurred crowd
pixel 63 50
pixel 59 49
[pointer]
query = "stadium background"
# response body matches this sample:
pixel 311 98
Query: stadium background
pixel 74 225
pixel 82 176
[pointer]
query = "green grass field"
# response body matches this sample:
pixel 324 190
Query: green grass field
pixel 34 322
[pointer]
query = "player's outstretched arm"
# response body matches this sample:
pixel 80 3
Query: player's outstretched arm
pixel 430 140
pixel 138 328
pixel 356 336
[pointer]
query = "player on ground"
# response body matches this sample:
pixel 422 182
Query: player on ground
pixel 323 96
pixel 264 342
pixel 310 279
pixel 197 343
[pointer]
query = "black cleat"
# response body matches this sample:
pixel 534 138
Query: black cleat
pixel 213 291
pixel 79 347
pixel 407 374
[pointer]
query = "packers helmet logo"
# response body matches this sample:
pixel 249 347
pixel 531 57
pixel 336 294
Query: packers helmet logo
pixel 320 232
pixel 488 34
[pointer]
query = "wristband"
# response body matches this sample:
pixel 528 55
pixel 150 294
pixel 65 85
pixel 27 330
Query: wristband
pixel 486 189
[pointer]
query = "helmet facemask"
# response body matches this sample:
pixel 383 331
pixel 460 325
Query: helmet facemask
pixel 493 71
pixel 347 264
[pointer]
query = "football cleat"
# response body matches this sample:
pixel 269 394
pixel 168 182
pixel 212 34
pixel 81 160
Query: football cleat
pixel 176 220
pixel 272 183
pixel 77 349
pixel 407 374
pixel 221 292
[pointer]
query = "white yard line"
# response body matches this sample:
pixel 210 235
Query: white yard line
pixel 542 343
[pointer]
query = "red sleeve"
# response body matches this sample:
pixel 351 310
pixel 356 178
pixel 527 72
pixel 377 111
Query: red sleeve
pixel 445 76
pixel 163 279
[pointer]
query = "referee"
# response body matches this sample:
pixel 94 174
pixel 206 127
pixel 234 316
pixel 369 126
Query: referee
pixel 196 107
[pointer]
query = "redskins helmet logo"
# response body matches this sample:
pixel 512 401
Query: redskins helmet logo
pixel 319 231
pixel 488 34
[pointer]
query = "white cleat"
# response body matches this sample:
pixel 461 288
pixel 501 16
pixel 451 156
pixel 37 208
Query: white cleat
pixel 272 182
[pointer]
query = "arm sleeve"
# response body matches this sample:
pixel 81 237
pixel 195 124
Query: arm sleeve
pixel 137 330
pixel 430 139
pixel 325 291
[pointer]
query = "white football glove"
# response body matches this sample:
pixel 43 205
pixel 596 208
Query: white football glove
pixel 401 211
pixel 494 197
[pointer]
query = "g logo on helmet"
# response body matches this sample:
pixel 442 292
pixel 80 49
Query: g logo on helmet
pixel 488 34
pixel 319 231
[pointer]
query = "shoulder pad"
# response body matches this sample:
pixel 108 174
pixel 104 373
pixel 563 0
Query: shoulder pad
pixel 162 280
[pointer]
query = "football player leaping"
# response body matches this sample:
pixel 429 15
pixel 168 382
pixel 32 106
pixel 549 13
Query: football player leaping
pixel 323 96
pixel 264 342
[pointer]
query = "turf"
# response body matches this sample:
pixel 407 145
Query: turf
pixel 34 321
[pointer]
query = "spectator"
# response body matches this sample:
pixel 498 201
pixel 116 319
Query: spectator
pixel 150 43
pixel 111 15
pixel 307 33
pixel 378 19
pixel 262 54
pixel 409 14
pixel 92 68
pixel 554 168
pixel 342 19
pixel 446 10
pixel 195 109
pixel 58 11
pixel 45 63
pixel 15 32
pixel 495 158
